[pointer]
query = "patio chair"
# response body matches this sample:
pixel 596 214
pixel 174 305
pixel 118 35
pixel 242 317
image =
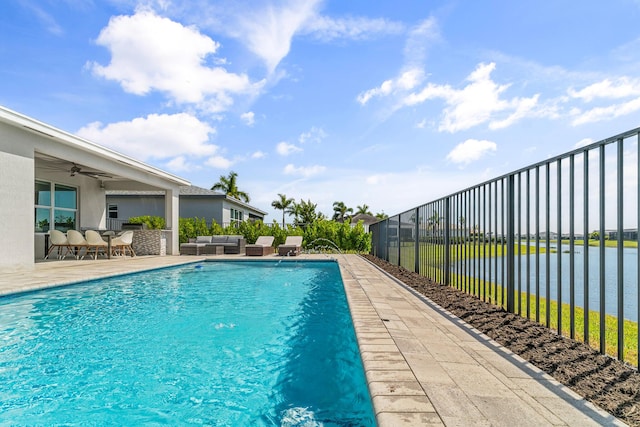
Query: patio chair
pixel 95 242
pixel 123 243
pixel 77 242
pixel 291 247
pixel 262 246
pixel 58 240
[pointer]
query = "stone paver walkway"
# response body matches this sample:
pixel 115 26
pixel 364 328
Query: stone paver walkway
pixel 424 366
pixel 427 367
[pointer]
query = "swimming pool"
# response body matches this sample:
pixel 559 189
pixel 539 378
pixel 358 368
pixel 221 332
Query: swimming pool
pixel 216 343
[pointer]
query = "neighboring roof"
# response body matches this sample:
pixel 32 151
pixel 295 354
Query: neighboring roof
pixel 186 191
pixel 365 218
pixel 19 120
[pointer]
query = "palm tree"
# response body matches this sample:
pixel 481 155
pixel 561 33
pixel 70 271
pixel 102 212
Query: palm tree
pixel 229 186
pixel 305 213
pixel 364 210
pixel 285 205
pixel 340 210
pixel 382 215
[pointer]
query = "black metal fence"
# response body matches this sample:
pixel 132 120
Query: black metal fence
pixel 541 241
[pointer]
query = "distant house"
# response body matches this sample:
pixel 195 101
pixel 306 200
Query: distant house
pixel 366 219
pixel 627 234
pixel 195 202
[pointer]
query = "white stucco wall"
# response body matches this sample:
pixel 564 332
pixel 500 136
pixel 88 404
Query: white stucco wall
pixel 16 211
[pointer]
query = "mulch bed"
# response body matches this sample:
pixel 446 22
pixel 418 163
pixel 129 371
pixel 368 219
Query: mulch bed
pixel 608 383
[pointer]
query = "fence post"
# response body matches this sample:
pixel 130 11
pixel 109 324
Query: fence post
pixel 447 241
pixel 399 239
pixel 510 255
pixel 416 262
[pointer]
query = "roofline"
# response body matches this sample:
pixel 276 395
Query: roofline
pixel 14 118
pixel 240 202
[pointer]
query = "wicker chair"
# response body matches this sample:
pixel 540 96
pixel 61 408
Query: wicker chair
pixel 262 246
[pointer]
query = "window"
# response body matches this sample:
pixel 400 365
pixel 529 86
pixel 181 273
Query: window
pixel 112 211
pixel 60 210
pixel 236 215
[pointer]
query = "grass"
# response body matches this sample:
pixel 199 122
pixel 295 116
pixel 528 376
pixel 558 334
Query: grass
pixel 607 243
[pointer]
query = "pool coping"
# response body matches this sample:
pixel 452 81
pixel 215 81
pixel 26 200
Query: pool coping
pixel 423 365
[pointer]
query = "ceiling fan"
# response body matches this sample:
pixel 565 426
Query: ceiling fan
pixel 77 170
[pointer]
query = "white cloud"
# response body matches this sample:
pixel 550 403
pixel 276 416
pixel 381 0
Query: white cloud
pixel 267 31
pixel 605 113
pixel 622 87
pixel 149 52
pixel 407 80
pixel 412 74
pixel 46 19
pixel 470 151
pixel 219 162
pixel 258 155
pixel 248 118
pixel 158 136
pixel 478 102
pixel 314 135
pixel 179 164
pixel 420 39
pixel 326 28
pixel 303 171
pixel 284 148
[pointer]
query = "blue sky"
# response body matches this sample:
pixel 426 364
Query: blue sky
pixel 389 104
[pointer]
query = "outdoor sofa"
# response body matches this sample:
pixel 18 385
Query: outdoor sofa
pixel 214 245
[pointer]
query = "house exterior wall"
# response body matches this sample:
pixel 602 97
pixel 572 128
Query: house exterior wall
pixel 202 207
pixel 130 206
pixel 16 210
pixel 205 207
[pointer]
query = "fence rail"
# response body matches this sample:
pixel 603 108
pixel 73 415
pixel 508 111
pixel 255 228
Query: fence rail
pixel 546 241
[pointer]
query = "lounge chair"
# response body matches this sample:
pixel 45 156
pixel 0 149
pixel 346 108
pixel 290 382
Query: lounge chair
pixel 262 246
pixel 95 242
pixel 58 240
pixel 77 242
pixel 123 243
pixel 291 247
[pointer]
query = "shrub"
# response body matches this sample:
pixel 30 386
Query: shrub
pixel 152 222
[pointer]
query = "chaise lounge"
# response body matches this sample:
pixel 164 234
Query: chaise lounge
pixel 291 247
pixel 262 246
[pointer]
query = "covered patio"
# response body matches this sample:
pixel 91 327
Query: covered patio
pixel 51 179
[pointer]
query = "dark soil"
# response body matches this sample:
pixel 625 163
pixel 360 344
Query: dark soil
pixel 608 383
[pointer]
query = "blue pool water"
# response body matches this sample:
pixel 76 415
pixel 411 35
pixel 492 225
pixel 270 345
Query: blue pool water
pixel 217 343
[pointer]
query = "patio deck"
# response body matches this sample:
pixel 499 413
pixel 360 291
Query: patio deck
pixel 424 366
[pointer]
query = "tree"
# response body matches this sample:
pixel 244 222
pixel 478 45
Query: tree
pixel 340 210
pixel 364 210
pixel 382 215
pixel 285 205
pixel 229 186
pixel 305 213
